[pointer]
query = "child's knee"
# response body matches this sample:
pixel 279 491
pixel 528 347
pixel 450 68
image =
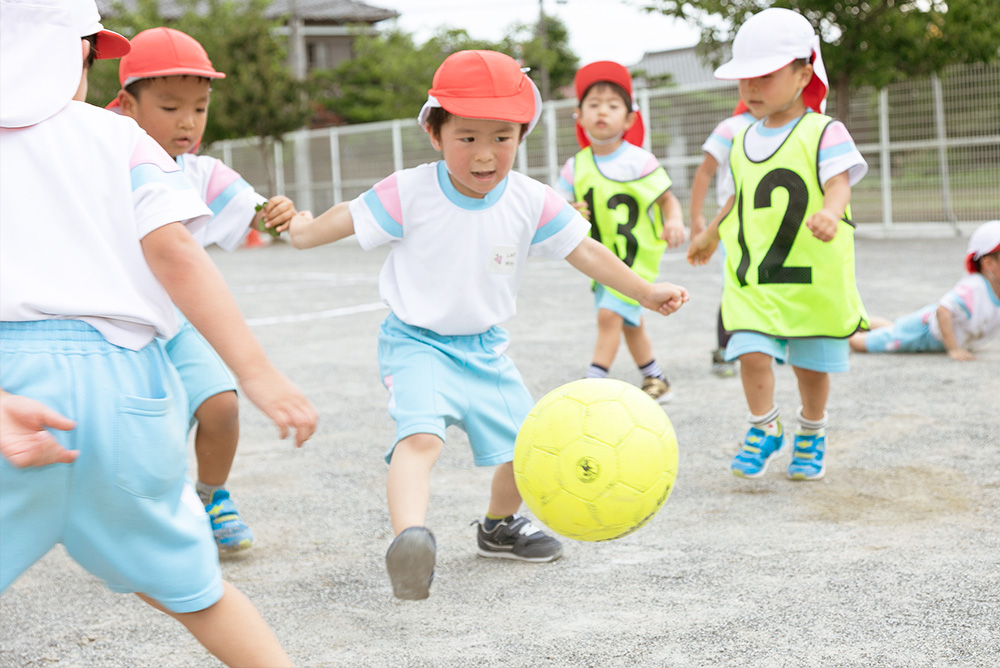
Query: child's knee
pixel 219 411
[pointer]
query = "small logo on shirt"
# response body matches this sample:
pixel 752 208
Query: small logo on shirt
pixel 503 260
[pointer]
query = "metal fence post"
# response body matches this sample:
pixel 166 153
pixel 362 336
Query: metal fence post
pixel 885 157
pixel 642 96
pixel 303 171
pixel 335 177
pixel 942 149
pixel 279 167
pixel 551 145
pixel 397 145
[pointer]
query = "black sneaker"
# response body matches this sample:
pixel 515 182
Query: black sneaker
pixel 410 562
pixel 514 538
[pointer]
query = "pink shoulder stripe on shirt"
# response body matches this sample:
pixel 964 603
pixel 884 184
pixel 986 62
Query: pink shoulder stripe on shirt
pixel 651 166
pixel 835 134
pixel 967 296
pixel 388 194
pixel 553 205
pixel 567 171
pixel 222 177
pixel 147 151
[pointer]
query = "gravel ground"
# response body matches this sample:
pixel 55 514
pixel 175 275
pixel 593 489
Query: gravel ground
pixel 890 561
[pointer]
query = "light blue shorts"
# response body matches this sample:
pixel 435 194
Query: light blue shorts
pixel 908 334
pixel 124 509
pixel 436 381
pixel 605 299
pixel 816 353
pixel 202 370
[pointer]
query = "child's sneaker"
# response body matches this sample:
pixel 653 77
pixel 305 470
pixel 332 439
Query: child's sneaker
pixel 808 457
pixel 231 533
pixel 514 538
pixel 758 448
pixel 657 388
pixel 720 367
pixel 410 561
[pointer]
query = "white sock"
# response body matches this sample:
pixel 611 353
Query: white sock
pixel 811 427
pixel 767 422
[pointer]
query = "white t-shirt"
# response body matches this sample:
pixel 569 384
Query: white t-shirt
pixel 628 162
pixel 837 152
pixel 720 143
pixel 80 190
pixel 227 194
pixel 975 311
pixel 456 262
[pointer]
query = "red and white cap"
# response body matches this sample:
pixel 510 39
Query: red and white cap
pixel 770 40
pixel 41 61
pixel 610 72
pixel 483 84
pixel 985 240
pixel 109 43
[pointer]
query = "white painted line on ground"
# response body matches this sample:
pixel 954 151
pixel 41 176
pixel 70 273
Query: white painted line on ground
pixel 316 315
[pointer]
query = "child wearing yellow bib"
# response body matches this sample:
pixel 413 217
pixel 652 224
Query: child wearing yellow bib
pixel 789 291
pixel 625 194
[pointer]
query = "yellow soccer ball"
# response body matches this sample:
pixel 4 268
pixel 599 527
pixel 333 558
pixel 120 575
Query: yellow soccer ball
pixel 595 459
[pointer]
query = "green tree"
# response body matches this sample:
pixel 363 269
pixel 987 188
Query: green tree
pixel 389 74
pixel 867 42
pixel 259 96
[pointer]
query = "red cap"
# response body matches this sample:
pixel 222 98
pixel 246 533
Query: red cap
pixel 484 84
pixel 164 52
pixel 608 71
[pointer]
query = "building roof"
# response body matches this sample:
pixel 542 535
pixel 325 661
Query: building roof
pixel 684 65
pixel 335 11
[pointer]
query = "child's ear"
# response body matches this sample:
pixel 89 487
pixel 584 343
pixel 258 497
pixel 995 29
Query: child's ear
pixel 630 120
pixel 435 139
pixel 127 103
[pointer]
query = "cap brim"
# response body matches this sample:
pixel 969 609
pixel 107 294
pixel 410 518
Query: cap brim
pixel 111 45
pixel 174 72
pixel 751 68
pixel 517 109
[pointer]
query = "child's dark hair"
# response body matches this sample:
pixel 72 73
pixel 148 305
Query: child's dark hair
pixel 437 117
pixel 139 85
pixel 613 87
pixel 92 52
pixel 978 263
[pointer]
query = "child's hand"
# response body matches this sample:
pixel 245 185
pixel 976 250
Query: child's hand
pixel 702 247
pixel 24 439
pixel 283 402
pixel 961 355
pixel 823 224
pixel 664 298
pixel 299 221
pixel 277 214
pixel 582 208
pixel 673 233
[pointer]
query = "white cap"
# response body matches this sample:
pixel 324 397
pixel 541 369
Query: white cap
pixel 770 40
pixel 41 60
pixel 985 240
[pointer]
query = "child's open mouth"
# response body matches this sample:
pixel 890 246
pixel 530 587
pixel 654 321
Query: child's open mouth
pixel 484 176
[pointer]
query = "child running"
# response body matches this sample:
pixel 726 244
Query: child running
pixel 460 232
pixel 965 318
pixel 166 86
pixel 92 252
pixel 789 292
pixel 716 165
pixel 625 194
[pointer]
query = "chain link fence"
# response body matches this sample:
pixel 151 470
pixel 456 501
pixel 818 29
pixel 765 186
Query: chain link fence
pixel 932 145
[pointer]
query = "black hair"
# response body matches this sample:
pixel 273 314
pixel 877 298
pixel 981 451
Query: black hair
pixel 615 88
pixel 139 85
pixel 92 53
pixel 437 117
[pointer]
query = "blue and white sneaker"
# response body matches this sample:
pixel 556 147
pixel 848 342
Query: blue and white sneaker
pixel 808 456
pixel 231 533
pixel 758 448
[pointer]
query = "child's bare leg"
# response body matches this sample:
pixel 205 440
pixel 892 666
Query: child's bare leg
pixel 505 500
pixel 216 437
pixel 232 630
pixel 408 485
pixel 639 345
pixel 609 333
pixel 857 342
pixel 814 390
pixel 757 374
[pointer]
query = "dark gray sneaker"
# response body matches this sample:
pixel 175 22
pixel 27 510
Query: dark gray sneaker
pixel 410 562
pixel 514 538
